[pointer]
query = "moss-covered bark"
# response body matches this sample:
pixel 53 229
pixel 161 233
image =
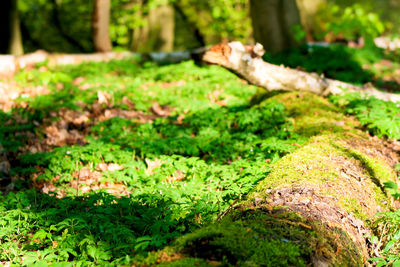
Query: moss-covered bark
pixel 316 206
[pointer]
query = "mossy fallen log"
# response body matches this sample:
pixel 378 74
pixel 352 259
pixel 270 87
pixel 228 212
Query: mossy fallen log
pixel 316 207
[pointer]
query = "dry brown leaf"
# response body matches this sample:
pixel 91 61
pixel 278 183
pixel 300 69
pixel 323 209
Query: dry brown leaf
pixel 103 97
pixel 128 102
pixel 60 86
pixel 178 176
pixel 85 86
pixel 114 167
pixel 43 69
pixel 102 166
pixel 175 83
pixel 84 173
pixel 151 165
pixel 78 80
pixel 162 111
pixel 180 118
pixel 109 167
pixel 54 244
pixel 214 97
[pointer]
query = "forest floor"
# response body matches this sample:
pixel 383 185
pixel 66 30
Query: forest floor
pixel 106 163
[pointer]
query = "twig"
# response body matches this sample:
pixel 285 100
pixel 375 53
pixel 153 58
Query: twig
pixel 79 174
pixel 231 207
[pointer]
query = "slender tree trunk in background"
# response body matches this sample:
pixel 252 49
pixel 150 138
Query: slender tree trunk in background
pixel 308 9
pixel 100 25
pixel 56 20
pixel 158 33
pixel 196 31
pixel 5 23
pixel 273 22
pixel 15 46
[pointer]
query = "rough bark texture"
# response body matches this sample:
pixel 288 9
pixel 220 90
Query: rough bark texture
pixel 247 62
pixel 273 22
pixel 100 25
pixel 158 33
pixel 15 45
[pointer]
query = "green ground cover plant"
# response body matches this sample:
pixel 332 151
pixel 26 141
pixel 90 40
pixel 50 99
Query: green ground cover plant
pixel 180 173
pixel 194 146
pixel 381 118
pixel 389 242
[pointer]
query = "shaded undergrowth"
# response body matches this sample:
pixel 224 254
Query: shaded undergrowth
pixel 175 172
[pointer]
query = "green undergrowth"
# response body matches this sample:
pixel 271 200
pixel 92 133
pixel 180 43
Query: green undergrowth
pixel 185 87
pixel 381 118
pixel 179 173
pixel 387 238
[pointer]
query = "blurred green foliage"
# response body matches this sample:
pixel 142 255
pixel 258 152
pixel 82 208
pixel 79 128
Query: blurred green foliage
pixel 65 25
pixel 354 22
pixel 379 117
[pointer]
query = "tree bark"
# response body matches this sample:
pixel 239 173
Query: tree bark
pixel 308 10
pixel 246 62
pixel 5 29
pixel 59 26
pixel 15 45
pixel 196 31
pixel 273 22
pixel 100 25
pixel 158 33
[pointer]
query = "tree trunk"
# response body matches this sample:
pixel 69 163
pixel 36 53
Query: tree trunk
pixel 15 46
pixel 246 62
pixel 273 22
pixel 308 10
pixel 158 33
pixel 59 26
pixel 100 25
pixel 5 29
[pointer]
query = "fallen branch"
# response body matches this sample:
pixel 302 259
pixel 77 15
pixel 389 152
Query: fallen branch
pixel 247 62
pixel 10 64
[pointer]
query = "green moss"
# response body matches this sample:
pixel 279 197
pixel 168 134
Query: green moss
pixel 312 114
pixel 315 164
pixel 255 238
pixel 379 173
pixel 251 239
pixel 307 165
pixel 378 170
